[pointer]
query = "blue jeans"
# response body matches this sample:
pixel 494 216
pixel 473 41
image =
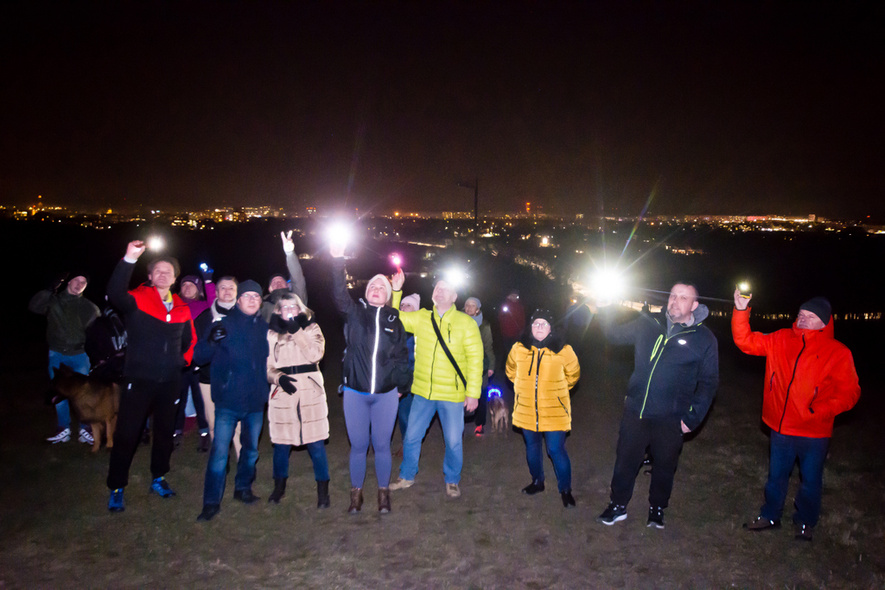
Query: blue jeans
pixel 451 418
pixel 555 450
pixel 77 362
pixel 785 450
pixel 317 452
pixel 216 471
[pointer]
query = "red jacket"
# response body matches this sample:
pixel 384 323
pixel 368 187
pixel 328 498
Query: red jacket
pixel 809 376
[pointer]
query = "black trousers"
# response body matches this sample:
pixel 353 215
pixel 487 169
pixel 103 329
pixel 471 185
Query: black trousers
pixel 140 399
pixel 663 436
pixel 190 382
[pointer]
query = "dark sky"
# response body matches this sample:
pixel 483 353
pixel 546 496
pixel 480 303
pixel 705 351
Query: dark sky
pixel 711 107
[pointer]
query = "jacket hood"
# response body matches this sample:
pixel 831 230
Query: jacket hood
pixel 700 313
pixel 554 341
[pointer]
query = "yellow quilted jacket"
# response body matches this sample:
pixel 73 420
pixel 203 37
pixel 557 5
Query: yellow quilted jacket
pixel 435 377
pixel 541 381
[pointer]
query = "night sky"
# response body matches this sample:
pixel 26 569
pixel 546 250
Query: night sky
pixel 709 107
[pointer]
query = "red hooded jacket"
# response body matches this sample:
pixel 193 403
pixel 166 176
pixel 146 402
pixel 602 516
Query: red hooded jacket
pixel 809 376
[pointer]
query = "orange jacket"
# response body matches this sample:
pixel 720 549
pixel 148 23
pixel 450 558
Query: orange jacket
pixel 809 376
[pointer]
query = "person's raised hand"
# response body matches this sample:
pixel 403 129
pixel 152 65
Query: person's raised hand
pixel 288 244
pixel 134 249
pixel 397 280
pixel 741 301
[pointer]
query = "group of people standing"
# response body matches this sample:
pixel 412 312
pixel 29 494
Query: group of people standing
pixel 250 351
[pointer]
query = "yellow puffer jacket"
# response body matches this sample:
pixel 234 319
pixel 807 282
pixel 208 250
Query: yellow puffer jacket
pixel 435 377
pixel 541 381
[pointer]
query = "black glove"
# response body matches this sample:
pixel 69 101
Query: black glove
pixel 217 333
pixel 302 320
pixel 206 273
pixel 288 384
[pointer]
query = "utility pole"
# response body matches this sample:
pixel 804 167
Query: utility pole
pixel 475 187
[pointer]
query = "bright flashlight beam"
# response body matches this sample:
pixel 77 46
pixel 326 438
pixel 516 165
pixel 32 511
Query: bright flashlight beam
pixel 339 234
pixel 155 243
pixel 455 277
pixel 608 284
pixel 396 259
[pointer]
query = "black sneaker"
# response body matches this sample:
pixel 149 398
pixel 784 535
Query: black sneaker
pixel 245 496
pixel 533 488
pixel 209 512
pixel 760 523
pixel 612 514
pixel 803 532
pixel 655 517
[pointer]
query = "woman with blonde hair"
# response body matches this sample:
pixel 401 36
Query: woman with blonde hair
pixel 298 412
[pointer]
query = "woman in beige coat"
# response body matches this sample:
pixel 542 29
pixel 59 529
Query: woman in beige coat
pixel 298 412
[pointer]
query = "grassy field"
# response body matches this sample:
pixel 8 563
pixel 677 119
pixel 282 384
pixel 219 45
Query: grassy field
pixel 55 530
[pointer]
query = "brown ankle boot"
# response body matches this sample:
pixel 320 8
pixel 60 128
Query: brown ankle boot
pixel 383 500
pixel 356 500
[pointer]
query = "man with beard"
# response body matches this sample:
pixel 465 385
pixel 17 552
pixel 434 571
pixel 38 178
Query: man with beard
pixel 674 380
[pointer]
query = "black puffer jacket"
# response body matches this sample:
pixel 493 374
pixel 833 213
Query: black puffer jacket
pixel 376 359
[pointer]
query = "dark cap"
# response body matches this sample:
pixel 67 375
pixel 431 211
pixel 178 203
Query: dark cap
pixel 249 286
pixel 543 314
pixel 820 307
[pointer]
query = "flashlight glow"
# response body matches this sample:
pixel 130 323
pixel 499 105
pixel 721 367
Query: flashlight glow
pixel 608 284
pixel 155 243
pixel 455 277
pixel 396 259
pixel 339 234
pixel 744 289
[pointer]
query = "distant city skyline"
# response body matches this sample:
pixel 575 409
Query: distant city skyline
pixel 593 108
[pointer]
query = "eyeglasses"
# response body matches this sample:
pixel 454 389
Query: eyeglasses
pixel 251 296
pixel 539 323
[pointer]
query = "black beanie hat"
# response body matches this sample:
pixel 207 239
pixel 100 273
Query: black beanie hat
pixel 249 286
pixel 543 314
pixel 820 307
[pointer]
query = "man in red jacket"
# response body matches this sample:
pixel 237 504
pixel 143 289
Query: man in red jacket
pixel 809 380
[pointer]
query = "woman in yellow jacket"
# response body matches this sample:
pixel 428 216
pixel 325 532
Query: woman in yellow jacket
pixel 543 370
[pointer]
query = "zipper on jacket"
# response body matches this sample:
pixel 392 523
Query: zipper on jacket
pixel 537 372
pixel 659 350
pixel 375 347
pixel 792 377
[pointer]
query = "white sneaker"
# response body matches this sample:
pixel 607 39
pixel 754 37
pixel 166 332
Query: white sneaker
pixel 63 435
pixel 453 490
pixel 401 484
pixel 86 437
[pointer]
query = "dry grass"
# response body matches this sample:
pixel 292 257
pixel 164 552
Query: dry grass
pixel 56 530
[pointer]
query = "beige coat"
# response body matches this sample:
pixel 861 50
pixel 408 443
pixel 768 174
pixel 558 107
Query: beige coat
pixel 302 417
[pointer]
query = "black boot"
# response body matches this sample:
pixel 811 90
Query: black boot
pixel 279 490
pixel 323 494
pixel 533 488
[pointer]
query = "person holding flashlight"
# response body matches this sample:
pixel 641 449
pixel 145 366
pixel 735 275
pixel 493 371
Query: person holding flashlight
pixel 161 344
pixel 675 378
pixel 277 286
pixel 447 380
pixel 376 367
pixel 809 379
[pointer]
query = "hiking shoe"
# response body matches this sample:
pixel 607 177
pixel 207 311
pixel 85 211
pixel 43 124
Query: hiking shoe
pixel 534 487
pixel 115 502
pixel 86 437
pixel 161 488
pixel 63 435
pixel 209 512
pixel 655 517
pixel 452 490
pixel 568 500
pixel 401 484
pixel 803 532
pixel 479 430
pixel 205 443
pixel 760 523
pixel 612 514
pixel 245 496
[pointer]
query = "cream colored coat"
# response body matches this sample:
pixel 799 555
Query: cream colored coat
pixel 303 417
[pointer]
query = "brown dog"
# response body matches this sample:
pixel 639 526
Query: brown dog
pixel 93 401
pixel 499 413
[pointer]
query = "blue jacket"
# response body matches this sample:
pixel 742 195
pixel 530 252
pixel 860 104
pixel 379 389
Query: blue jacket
pixel 675 375
pixel 238 373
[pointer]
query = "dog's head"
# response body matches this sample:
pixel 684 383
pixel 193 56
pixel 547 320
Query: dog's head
pixel 66 384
